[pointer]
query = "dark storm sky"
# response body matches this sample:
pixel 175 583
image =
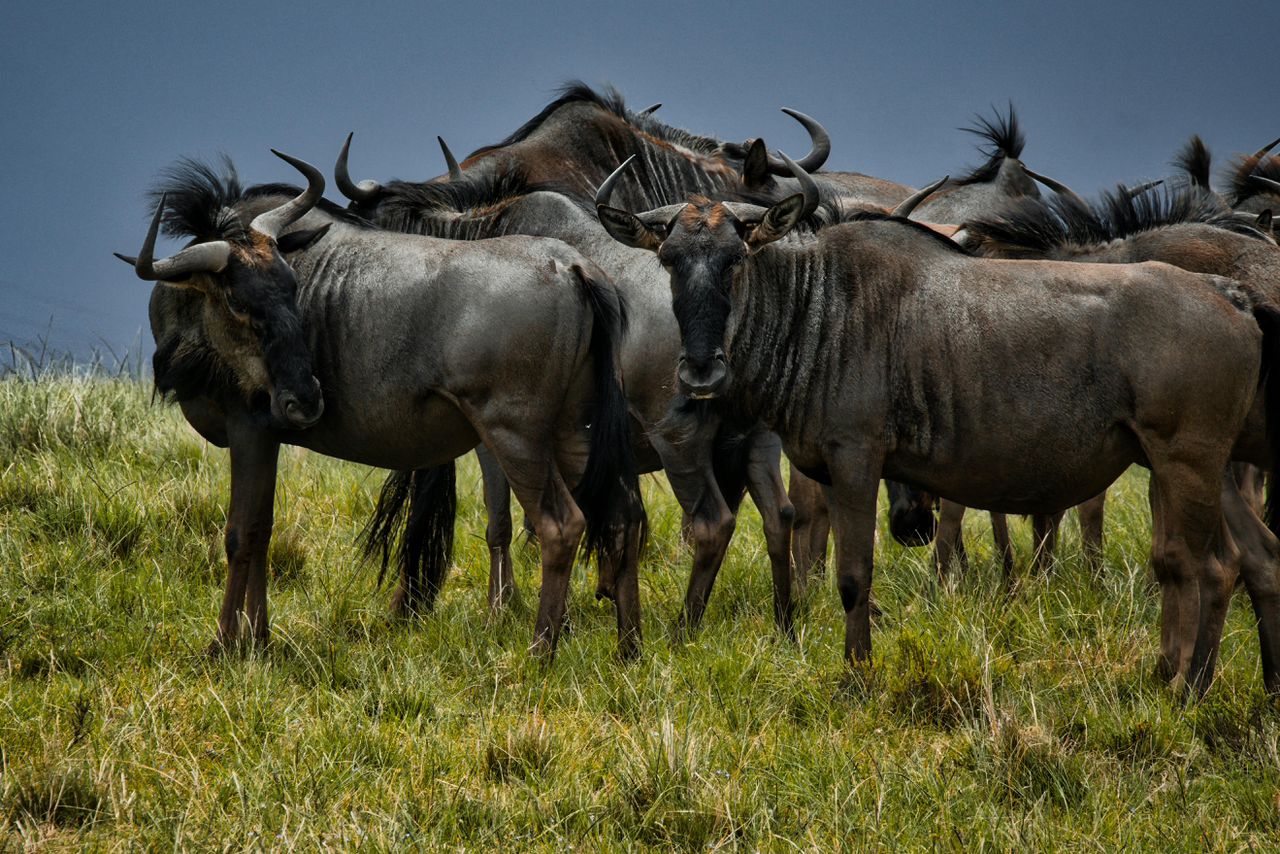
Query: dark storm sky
pixel 97 98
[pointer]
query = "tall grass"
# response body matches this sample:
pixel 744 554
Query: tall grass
pixel 987 722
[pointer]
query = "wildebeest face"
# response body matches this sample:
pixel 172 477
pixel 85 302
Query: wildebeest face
pixel 251 319
pixel 250 314
pixel 703 245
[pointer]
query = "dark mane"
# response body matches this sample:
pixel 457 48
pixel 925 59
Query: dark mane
pixel 611 101
pixel 573 92
pixel 1003 138
pixel 1266 167
pixel 406 203
pixel 1042 225
pixel 1193 159
pixel 199 197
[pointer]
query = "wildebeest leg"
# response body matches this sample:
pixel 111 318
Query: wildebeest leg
pixel 764 482
pixel 689 470
pixel 949 541
pixel 1249 478
pixel 1004 547
pixel 1218 583
pixel 1090 516
pixel 497 504
pixel 248 534
pixel 535 478
pixel 853 494
pixel 1259 564
pixel 1191 517
pixel 1045 535
pixel 810 530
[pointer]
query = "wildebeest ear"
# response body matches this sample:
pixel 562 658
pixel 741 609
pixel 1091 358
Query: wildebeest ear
pixel 777 221
pixel 296 241
pixel 1264 221
pixel 626 228
pixel 755 168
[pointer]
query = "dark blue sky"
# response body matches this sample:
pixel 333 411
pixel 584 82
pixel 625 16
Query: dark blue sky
pixel 96 98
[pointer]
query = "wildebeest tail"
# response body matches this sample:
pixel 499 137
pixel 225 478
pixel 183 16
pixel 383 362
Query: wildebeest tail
pixel 412 526
pixel 609 491
pixel 1267 316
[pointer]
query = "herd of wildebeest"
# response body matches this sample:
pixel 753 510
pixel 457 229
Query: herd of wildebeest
pixel 601 295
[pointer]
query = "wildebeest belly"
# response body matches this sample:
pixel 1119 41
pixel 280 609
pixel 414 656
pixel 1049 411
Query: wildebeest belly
pixel 1039 471
pixel 392 433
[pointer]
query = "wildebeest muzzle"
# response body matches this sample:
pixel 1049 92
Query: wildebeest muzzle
pixel 704 378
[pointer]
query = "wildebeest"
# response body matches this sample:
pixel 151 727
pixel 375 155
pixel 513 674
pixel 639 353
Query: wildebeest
pixel 708 474
pixel 423 348
pixel 879 349
pixel 1187 226
pixel 1002 177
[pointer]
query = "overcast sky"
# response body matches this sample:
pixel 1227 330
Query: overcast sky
pixel 97 98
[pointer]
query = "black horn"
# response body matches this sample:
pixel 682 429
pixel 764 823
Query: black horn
pixel 651 109
pixel 606 187
pixel 202 258
pixel 1134 192
pixel 1265 185
pixel 807 185
pixel 366 192
pixel 818 153
pixel 455 171
pixel 911 202
pixel 276 220
pixel 1058 187
pixel 1262 152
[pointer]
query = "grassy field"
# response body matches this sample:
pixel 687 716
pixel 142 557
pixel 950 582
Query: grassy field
pixel 988 723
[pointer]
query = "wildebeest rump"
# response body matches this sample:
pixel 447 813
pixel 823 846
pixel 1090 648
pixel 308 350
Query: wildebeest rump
pixel 422 348
pixel 1187 226
pixel 881 349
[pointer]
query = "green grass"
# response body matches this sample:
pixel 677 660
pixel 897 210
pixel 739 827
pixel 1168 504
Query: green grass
pixel 986 722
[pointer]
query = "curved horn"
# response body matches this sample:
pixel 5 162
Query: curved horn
pixel 606 188
pixel 651 109
pixel 455 171
pixel 202 258
pixel 818 153
pixel 1265 185
pixel 807 185
pixel 366 192
pixel 276 220
pixel 1262 152
pixel 911 202
pixel 1134 192
pixel 1059 188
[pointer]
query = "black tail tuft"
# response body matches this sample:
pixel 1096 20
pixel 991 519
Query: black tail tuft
pixel 1002 138
pixel 1267 316
pixel 424 502
pixel 609 491
pixel 1193 159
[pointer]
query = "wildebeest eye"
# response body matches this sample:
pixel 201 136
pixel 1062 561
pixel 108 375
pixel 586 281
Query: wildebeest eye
pixel 237 309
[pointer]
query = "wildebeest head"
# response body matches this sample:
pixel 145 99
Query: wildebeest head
pixel 702 244
pixel 249 309
pixel 911 518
